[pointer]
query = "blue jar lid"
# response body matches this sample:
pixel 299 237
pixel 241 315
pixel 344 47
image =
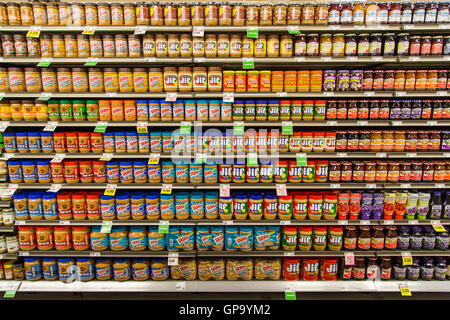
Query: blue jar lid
pixel 123 195
pixel 29 163
pixel 22 134
pixel 212 163
pixel 83 259
pixel 126 163
pixel 49 259
pixel 274 102
pixel 153 102
pixel 249 101
pixel 212 194
pixel 152 195
pixel 119 134
pixel 34 134
pixel 104 197
pixel 30 259
pixel 274 228
pixel 142 101
pixel 260 228
pixel 159 260
pixel 255 195
pixel 108 134
pixel 214 102
pixel 14 162
pixel 196 195
pixel 20 195
pixel 167 196
pixel 241 195
pixel 34 196
pixel 118 229
pixel 137 229
pixel 164 102
pixel 143 134
pixel 217 228
pixel 270 195
pixel 189 102
pixel 181 195
pixel 238 102
pixel 261 101
pixel 174 229
pixel 140 163
pixel 155 133
pixel 167 163
pixel 246 228
pixel 121 260
pixel 187 228
pixel 231 229
pixel 49 195
pixel 9 134
pixel 226 198
pixel 131 134
pixel 202 102
pixel 140 260
pixel 48 134
pixel 65 260
pixel 96 228
pixel 43 162
pixel 112 163
pixel 203 228
pixel 138 195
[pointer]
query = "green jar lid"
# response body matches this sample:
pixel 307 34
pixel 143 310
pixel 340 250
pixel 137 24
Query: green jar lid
pixel 78 101
pixel 53 101
pixel 91 101
pixel 65 101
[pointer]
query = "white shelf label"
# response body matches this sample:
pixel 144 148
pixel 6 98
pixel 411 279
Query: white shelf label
pixel 199 60
pixel 377 58
pixel 400 93
pixel 446 154
pixel 289 253
pixel 224 190
pixel 94 254
pixel 228 222
pixel 180 286
pixel 51 126
pixel 166 189
pixel 64 222
pixel 369 93
pixel 387 222
pixel 408 26
pixel 58 157
pixel 325 59
pixel 332 123
pixel 24 253
pixel 281 94
pixel 19 223
pixel 396 123
pixel 172 259
pixel 55 187
pixel 111 94
pixel 140 30
pixel 411 155
pixel 299 59
pixel 154 158
pixel 150 59
pixel 371 185
pixel 365 222
pixel 432 123
pixel 407 258
pixel 7 156
pixel 439 185
pixel 381 155
pixel 335 27
pixel 362 123
pixel 285 222
pixel 110 190
pixel 413 58
pixel 281 190
pixel 405 185
pixel 349 258
pixel 441 93
pixel 198 31
pixel 3 125
pixel 342 222
pixel 413 222
pixel 351 58
pixel 171 96
pixel 341 155
pixel 10 190
pixel 359 27
pixel 228 97
pixel 335 185
pixel 328 94
pixel 106 157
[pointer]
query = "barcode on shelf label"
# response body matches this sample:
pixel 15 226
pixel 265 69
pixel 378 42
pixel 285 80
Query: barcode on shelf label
pixel 228 97
pixel 365 222
pixel 342 222
pixel 362 123
pixel 180 286
pixel 369 93
pixel 150 59
pixel 439 185
pixel 377 58
pixel 396 123
pixel 371 185
pixel 388 222
pixel 228 222
pixel 281 190
pixel 285 222
pixel 64 222
pixel 432 123
pixel 407 258
pixel 327 59
pixel 411 155
pixel 381 154
pixel 198 31
pixel 400 93
pixel 55 187
pixel 413 222
pixel 51 126
pixel 289 253
pixel 171 96
pixel 413 58
pixel 335 27
pixel 224 190
pixel 282 94
pixel 341 155
pixel 351 58
pixel 199 60
pixel 172 259
pixel 24 253
pixel 19 223
pixel 166 189
pixel 335 185
pixel 331 123
pixel 111 94
pixel 408 26
pixel 349 258
pixel 328 94
pixel 94 254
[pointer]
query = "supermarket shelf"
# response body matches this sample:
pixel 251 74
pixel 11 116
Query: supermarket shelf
pixel 99 61
pixel 106 253
pixel 423 59
pixel 7 229
pixel 99 29
pixel 100 222
pixel 414 253
pixel 324 186
pixel 219 94
pixel 228 286
pixel 100 186
pixel 281 253
pixel 292 222
pixel 284 155
pixel 265 124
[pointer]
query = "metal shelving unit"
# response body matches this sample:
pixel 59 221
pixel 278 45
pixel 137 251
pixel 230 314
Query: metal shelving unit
pixel 106 254
pixel 281 253
pixel 101 222
pixel 101 186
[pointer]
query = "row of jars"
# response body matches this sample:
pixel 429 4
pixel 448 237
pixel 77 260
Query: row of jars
pixel 223 45
pixel 223 13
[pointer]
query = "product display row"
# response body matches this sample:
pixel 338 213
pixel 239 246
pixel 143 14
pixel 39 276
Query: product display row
pixel 282 171
pixel 340 205
pixel 218 110
pixel 224 45
pixel 201 79
pixel 216 141
pixel 223 14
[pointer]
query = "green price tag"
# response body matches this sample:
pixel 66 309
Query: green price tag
pixel 44 97
pixel 185 129
pixel 45 62
pixel 301 159
pixel 10 294
pixel 293 30
pixel 106 228
pixel 91 63
pixel 101 126
pixel 238 128
pixel 2 95
pixel 252 32
pixel 290 295
pixel 163 228
pixel 248 64
pixel 287 129
pixel 252 160
pixel 200 158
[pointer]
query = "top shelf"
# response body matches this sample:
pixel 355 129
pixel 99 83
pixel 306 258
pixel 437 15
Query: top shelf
pixel 417 28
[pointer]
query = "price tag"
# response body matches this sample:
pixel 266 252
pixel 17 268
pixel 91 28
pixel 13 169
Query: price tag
pixel 446 58
pixel 381 155
pixel 405 185
pixel 439 185
pixel 335 185
pixel 228 97
pixel 341 155
pixel 228 222
pixel 101 126
pixel 332 123
pixel 365 222
pixel 24 253
pixel 386 222
pixel 441 93
pixel 150 59
pixel 400 93
pixel 154 158
pixel 351 58
pixel 285 222
pixel 287 128
pixel 58 158
pixel 51 126
pixel 45 62
pixel 55 187
pixel 64 222
pixel 432 123
pixel 328 94
pixel 371 185
pixel 199 60
pixel 110 190
pixel 111 94
pixel 171 96
pixel 359 27
pixel 411 155
pixel 200 158
pixel 106 227
pixel 180 286
pixel 412 58
pixel 10 293
pixel 437 226
pixel 362 123
pixel 4 125
pixel 185 127
pixel 281 190
pixel 248 63
pixel 172 259
pixel 2 95
pixel 45 96
pixel 34 32
pixel 252 32
pixel 91 62
pixel 377 58
pixel 163 227
pixel 301 159
pixel 335 27
pixel 369 93
pixel 166 189
pixel 140 30
pixel 19 223
pixel 289 294
pixel 8 192
pixel 198 31
pixel 349 258
pixel 89 31
pixel 407 258
pixel 7 156
pixel 142 127
pixel 106 157
pixel 224 190
pixel 342 222
pixel 413 222
pixel 446 154
pixel 252 159
pixel 238 128
pixel 94 254
pixel 444 26
pixel 404 290
pixel 288 253
pixel 408 26
pixel 281 94
pixel 325 59
pixel 293 29
pixel 299 59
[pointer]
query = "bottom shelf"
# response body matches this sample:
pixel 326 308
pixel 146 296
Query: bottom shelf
pixel 229 286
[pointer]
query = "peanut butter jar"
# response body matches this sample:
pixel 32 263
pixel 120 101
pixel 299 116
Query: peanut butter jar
pixel 16 79
pixel 110 79
pixel 140 79
pixel 155 80
pixel 49 82
pixel 95 80
pixel 64 76
pixel 80 80
pixel 33 80
pixel 125 80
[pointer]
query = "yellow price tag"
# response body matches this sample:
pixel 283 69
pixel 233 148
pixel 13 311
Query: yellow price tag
pixel 110 190
pixel 34 33
pixel 153 161
pixel 142 129
pixel 438 228
pixel 166 189
pixel 407 261
pixel 405 291
pixel 88 32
